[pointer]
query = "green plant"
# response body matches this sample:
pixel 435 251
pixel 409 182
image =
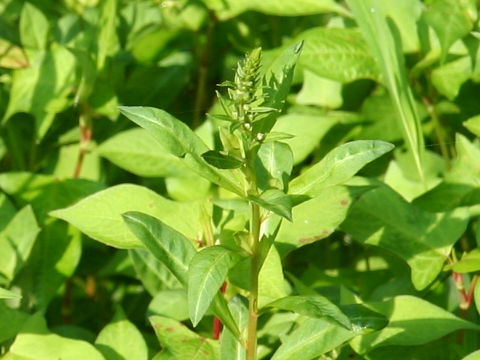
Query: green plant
pixel 280 220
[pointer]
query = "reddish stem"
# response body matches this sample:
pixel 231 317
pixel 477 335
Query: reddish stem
pixel 217 324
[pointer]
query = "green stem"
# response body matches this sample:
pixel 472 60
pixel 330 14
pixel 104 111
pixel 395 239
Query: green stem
pixel 254 272
pixel 439 131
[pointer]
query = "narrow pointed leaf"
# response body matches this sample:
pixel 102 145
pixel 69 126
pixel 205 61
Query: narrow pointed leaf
pixel 363 319
pixel 338 166
pixel 166 244
pixel 221 161
pixel 207 272
pixel 230 347
pixel 315 306
pixel 276 201
pixel 179 140
pixel 383 39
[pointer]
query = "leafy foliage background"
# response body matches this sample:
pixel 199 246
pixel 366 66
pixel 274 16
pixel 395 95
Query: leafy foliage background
pixel 401 236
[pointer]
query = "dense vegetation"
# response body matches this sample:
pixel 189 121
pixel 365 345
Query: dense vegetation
pixel 322 202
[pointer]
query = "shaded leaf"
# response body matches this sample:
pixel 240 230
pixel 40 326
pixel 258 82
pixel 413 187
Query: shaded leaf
pixel 424 240
pixel 406 327
pixel 16 243
pixel 6 294
pixel 181 342
pixel 273 165
pixel 450 21
pixel 221 161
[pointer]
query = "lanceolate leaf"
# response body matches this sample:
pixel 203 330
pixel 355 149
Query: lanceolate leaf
pixel 406 327
pixel 166 244
pixel 384 41
pixel 207 272
pixel 469 263
pixel 221 161
pixel 276 201
pixel 312 338
pixel 315 306
pixel 230 347
pixel 175 251
pixel 338 166
pixel 273 165
pixel 179 140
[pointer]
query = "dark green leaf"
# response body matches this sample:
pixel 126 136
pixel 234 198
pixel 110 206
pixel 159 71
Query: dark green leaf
pixel 221 161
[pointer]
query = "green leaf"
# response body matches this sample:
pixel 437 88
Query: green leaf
pixel 181 342
pixel 473 124
pixel 136 151
pixel 317 90
pixel 36 342
pixel 424 240
pixel 306 129
pixel 273 165
pixel 450 20
pixel 230 347
pixel 12 321
pixel 168 245
pixel 363 319
pixel 108 43
pixel 33 28
pixel 207 272
pixel 382 37
pixel 43 88
pixel 6 294
pixel 338 166
pixel 276 201
pixel 337 54
pixel 449 78
pixel 153 274
pixel 469 262
pixel 121 340
pixel 16 242
pixel 171 303
pixel 314 219
pixel 406 327
pixel 53 259
pixel 99 215
pixel 476 296
pixel 179 140
pixel 276 79
pixel 226 9
pixel 221 161
pixel 315 306
pixel 472 356
pixel 312 338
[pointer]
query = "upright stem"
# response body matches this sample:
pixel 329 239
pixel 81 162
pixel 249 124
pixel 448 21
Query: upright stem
pixel 254 271
pixel 439 131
